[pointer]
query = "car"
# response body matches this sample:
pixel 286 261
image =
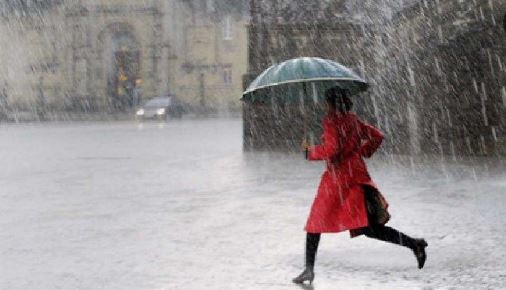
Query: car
pixel 161 108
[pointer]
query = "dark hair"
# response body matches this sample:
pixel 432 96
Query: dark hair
pixel 339 99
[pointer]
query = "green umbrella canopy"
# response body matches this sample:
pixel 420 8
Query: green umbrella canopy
pixel 286 79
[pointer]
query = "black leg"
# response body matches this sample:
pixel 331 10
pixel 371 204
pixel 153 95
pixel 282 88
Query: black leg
pixel 390 235
pixel 312 241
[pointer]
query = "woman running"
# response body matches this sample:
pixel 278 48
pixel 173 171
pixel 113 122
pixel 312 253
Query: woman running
pixel 347 198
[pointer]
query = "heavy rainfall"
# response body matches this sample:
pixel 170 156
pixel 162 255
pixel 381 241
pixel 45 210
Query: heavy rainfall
pixel 139 150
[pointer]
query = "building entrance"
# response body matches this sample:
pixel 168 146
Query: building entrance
pixel 122 63
pixel 125 78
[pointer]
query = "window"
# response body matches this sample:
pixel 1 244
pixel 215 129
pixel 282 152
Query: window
pixel 227 76
pixel 227 28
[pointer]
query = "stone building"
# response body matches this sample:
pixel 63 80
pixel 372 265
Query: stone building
pixel 436 69
pixel 448 59
pixel 212 68
pixel 111 55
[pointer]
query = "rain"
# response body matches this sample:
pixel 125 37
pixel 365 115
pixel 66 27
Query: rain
pixel 149 145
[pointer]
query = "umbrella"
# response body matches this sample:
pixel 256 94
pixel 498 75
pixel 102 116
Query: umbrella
pixel 290 80
pixel 306 70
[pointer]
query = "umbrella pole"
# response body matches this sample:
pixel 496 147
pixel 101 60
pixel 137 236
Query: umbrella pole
pixel 305 96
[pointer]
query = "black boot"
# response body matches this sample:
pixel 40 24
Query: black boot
pixel 419 251
pixel 391 235
pixel 306 275
pixel 312 241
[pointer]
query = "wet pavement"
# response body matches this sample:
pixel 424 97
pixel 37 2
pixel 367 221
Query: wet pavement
pixel 178 205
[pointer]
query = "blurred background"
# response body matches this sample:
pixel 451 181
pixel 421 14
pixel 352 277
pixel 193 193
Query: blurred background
pixel 109 56
pixel 436 68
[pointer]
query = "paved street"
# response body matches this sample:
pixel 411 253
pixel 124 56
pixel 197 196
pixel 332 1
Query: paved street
pixel 178 205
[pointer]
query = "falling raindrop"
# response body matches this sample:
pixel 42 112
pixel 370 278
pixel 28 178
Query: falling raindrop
pixel 440 33
pixel 484 114
pixel 301 101
pixel 468 144
pixel 483 145
pixel 475 176
pixel 452 149
pixel 503 93
pixel 499 62
pixel 315 93
pixel 435 133
pixel 475 85
pixel 411 77
pixel 494 133
pixel 438 69
pixel 482 15
pixel 490 62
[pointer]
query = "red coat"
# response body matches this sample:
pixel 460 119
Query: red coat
pixel 339 204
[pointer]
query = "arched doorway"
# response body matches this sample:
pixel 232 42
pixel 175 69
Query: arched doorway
pixel 121 61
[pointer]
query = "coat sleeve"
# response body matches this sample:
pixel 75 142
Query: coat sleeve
pixel 329 146
pixel 372 139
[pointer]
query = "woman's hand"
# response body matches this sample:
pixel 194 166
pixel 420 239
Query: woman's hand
pixel 304 145
pixel 305 148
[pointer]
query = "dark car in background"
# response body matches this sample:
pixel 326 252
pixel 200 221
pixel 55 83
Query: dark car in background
pixel 162 108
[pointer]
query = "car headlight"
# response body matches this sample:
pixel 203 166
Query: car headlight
pixel 160 111
pixel 140 112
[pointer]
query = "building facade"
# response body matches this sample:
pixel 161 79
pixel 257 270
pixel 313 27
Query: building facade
pixel 112 55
